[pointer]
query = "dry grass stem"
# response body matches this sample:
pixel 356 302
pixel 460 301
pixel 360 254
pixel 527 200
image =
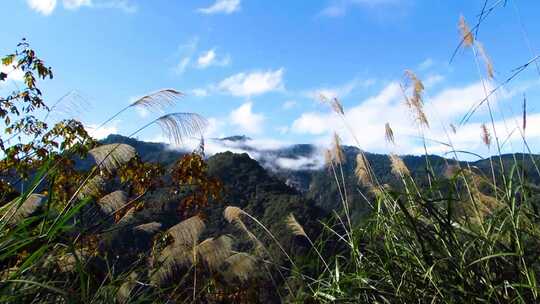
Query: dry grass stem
pixel 485 58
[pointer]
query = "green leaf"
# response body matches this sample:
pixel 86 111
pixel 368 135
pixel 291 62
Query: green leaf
pixel 8 59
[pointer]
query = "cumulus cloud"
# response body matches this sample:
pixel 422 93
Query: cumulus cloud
pixel 367 120
pixel 244 118
pixel 74 4
pixel 199 92
pixel 100 133
pixel 339 8
pixel 44 7
pixel 186 52
pixel 221 7
pixel 289 104
pixel 426 64
pixel 13 73
pixel 210 58
pixel 254 83
pixel 339 91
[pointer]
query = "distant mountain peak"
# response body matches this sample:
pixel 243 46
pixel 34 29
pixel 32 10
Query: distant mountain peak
pixel 239 138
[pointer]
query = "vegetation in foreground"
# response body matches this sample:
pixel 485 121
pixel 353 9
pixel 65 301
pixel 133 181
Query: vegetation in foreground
pixel 83 228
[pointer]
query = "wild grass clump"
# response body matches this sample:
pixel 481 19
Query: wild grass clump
pixel 466 237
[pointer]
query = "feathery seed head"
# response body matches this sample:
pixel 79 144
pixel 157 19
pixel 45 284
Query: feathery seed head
pixel 295 227
pixel 337 153
pixel 486 136
pixel 188 231
pixel 232 213
pixel 158 100
pixel 466 34
pixel 361 169
pixel 177 126
pixel 398 165
pixel 389 134
pixel 487 61
pixel 112 156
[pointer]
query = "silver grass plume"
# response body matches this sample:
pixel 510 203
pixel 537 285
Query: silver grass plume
pixel 295 227
pixel 334 103
pixel 172 259
pixel 125 291
pixel 187 232
pixel 361 170
pixel 485 57
pixel 466 34
pixel 337 153
pixel 398 165
pixel 416 101
pixel 453 128
pixel 486 136
pixel 112 156
pixel 150 228
pixel 178 126
pixel 92 188
pixel 240 266
pixel 214 251
pixel 389 134
pixel 233 215
pixel 113 201
pixel 158 100
pixel 32 204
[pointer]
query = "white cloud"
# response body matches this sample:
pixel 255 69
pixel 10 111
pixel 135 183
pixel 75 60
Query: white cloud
pixel 289 104
pixel 206 58
pixel 433 80
pixel 339 8
pixel 210 58
pixel 252 84
pixel 426 64
pixel 45 7
pixel 248 121
pixel 367 119
pixel 12 73
pixel 124 5
pixel 199 92
pixel 316 161
pixel 74 4
pixel 340 91
pixel 221 6
pixel 100 133
pixel 186 52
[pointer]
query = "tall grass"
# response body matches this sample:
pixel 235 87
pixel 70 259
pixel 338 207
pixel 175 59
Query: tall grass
pixel 465 238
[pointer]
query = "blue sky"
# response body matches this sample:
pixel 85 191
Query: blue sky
pixel 258 67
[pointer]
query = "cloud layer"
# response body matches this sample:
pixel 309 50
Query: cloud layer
pixel 47 7
pixel 254 83
pixel 221 7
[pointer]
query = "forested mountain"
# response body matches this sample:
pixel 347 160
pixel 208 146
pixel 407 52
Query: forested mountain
pixel 315 182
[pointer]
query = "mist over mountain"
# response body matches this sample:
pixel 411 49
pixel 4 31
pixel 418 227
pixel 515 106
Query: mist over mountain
pixel 301 166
